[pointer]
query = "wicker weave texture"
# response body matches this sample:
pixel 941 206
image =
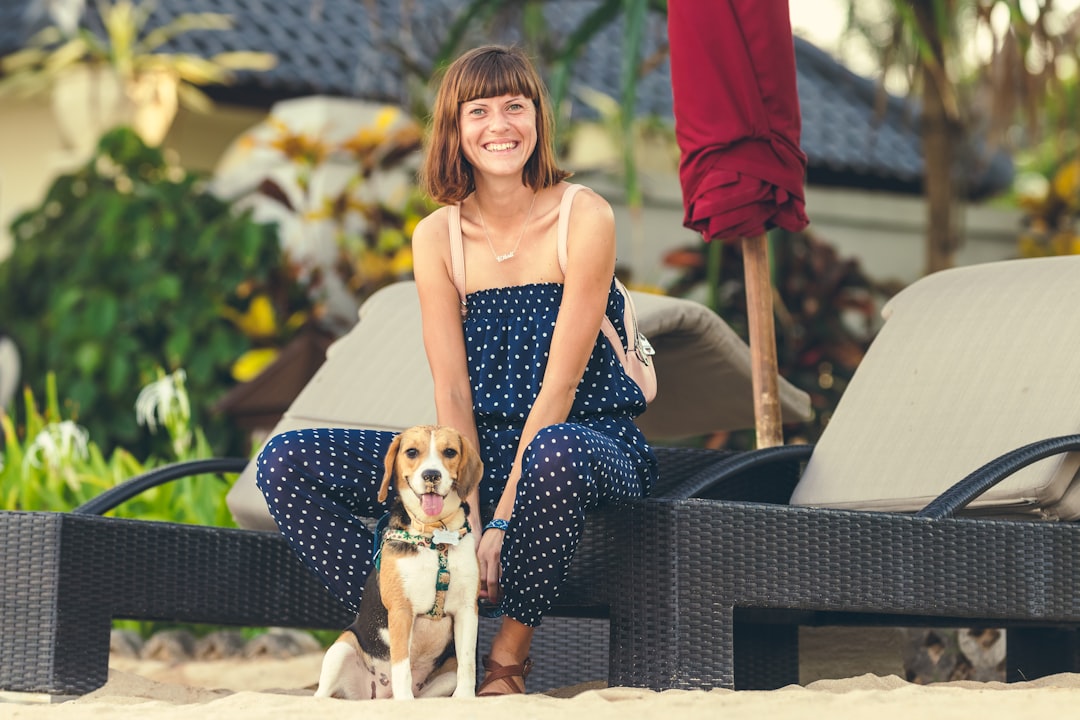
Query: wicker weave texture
pixel 677 619
pixel 28 578
pixel 65 577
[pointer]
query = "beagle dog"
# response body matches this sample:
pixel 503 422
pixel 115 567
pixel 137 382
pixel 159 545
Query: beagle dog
pixel 415 633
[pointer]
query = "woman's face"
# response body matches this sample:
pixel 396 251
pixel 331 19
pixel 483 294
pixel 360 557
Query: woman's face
pixel 498 134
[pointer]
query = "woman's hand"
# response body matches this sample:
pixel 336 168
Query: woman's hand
pixel 489 549
pixel 488 553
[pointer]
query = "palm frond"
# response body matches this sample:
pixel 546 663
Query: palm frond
pixel 182 25
pixel 193 98
pixel 245 60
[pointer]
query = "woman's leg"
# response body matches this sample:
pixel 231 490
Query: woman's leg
pixel 568 470
pixel 318 484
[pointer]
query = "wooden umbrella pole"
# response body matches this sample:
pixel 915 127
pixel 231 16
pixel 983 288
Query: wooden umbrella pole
pixel 763 365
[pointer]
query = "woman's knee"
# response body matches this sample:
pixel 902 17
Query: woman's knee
pixel 557 453
pixel 279 460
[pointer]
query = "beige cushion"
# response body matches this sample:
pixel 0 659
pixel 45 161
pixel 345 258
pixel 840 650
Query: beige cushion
pixel 377 376
pixel 970 363
pixel 702 372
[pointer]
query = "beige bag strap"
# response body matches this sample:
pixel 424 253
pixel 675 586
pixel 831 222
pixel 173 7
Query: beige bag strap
pixel 564 222
pixel 564 232
pixel 457 253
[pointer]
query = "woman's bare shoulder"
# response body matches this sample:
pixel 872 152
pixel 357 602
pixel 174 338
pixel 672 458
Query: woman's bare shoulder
pixel 591 211
pixel 431 243
pixel 589 203
pixel 433 226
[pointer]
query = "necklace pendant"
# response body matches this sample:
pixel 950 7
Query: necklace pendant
pixel 505 256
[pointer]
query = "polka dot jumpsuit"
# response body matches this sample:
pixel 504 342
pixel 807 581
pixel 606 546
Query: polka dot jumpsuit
pixel 318 483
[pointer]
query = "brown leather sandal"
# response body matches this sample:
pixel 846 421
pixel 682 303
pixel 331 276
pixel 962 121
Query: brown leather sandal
pixel 507 673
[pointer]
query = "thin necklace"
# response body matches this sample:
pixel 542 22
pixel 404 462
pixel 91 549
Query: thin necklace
pixel 506 256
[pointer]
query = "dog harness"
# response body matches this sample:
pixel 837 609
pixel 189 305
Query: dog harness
pixel 442 578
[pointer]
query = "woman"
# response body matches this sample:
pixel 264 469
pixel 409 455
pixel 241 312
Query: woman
pixel 517 358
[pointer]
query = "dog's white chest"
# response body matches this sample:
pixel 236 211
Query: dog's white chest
pixel 437 586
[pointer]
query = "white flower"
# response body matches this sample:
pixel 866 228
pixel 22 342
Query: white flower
pixel 165 402
pixel 57 445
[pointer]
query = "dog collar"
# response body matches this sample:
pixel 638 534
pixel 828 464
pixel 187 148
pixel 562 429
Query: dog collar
pixel 438 540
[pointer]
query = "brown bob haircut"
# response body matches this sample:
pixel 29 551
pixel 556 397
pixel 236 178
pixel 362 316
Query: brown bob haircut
pixel 487 71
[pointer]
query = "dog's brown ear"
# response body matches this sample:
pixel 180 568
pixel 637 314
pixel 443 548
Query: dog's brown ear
pixel 391 468
pixel 472 468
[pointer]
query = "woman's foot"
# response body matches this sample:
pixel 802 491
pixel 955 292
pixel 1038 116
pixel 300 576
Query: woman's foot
pixel 503 679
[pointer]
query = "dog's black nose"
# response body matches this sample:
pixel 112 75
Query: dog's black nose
pixel 431 476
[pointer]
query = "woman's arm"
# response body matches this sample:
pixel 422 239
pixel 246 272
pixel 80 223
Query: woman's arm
pixel 444 339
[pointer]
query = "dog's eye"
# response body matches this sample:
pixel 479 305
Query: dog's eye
pixel 412 453
pixel 450 453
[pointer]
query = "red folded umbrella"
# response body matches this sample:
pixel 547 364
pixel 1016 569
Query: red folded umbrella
pixel 737 116
pixel 737 122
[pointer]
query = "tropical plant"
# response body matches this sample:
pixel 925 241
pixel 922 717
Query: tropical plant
pixel 130 264
pixel 133 50
pixel 49 462
pixel 1052 212
pixel 933 43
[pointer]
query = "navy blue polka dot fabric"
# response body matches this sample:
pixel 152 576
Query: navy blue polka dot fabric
pixel 319 483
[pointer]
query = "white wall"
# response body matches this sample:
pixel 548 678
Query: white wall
pixel 29 150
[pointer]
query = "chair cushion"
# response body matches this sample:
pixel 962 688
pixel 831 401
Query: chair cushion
pixel 377 376
pixel 970 363
pixel 703 374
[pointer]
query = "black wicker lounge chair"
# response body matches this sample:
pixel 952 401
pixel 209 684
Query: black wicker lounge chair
pixel 696 592
pixel 974 375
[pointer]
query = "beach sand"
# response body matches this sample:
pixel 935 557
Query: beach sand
pixel 246 689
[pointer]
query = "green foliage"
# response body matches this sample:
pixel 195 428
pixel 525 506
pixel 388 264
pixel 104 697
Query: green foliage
pixel 827 311
pixel 127 266
pixel 48 462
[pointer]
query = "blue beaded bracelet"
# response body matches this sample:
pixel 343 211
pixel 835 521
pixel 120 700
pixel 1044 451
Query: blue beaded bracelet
pixel 498 524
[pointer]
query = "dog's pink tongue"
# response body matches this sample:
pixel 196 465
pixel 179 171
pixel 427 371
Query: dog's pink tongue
pixel 431 504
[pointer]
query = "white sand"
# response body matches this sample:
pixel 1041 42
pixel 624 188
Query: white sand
pixel 263 688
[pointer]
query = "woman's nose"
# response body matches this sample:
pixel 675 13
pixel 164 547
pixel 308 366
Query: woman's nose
pixel 499 119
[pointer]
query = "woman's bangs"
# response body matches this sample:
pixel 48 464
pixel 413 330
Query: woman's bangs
pixel 494 79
